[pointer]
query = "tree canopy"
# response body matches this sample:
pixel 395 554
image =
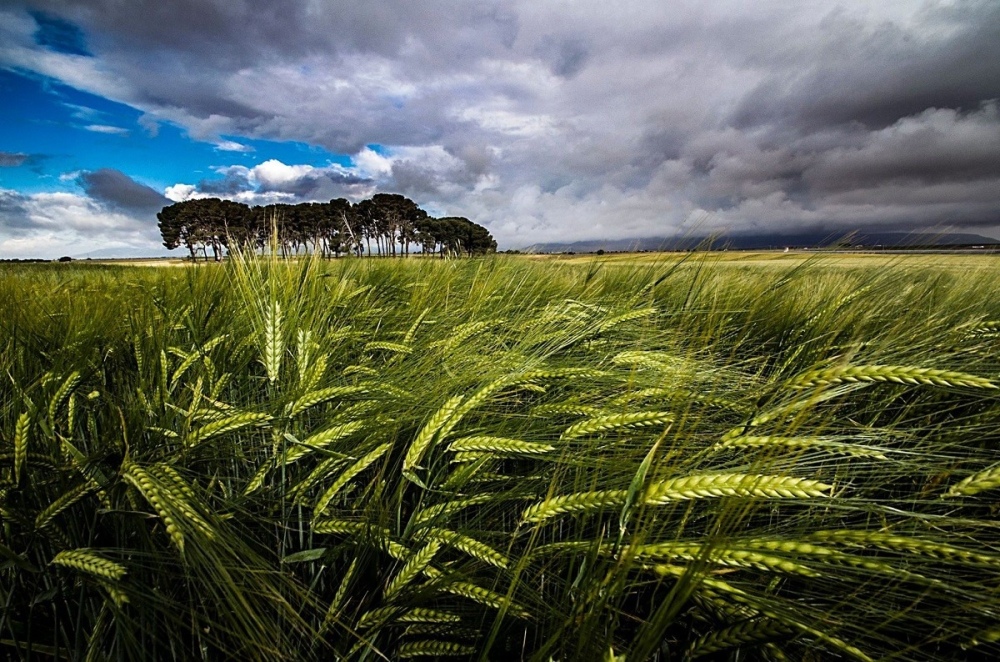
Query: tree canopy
pixel 392 222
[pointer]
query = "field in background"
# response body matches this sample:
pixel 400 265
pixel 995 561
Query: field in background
pixel 948 260
pixel 721 456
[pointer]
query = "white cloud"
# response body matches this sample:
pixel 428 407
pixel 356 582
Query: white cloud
pixel 370 163
pixel 57 224
pixel 232 146
pixel 104 128
pixel 275 173
pixel 182 192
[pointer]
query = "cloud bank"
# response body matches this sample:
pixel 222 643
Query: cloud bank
pixel 548 121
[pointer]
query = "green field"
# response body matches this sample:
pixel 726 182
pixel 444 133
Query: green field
pixel 700 456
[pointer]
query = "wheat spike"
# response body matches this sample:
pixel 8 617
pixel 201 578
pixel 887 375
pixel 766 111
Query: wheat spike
pixel 314 373
pixel 723 556
pixel 321 440
pixel 413 567
pixel 434 648
pixel 443 510
pixel 985 328
pixel 988 479
pixel 71 412
pixel 59 397
pixel 439 630
pixel 258 478
pixel 470 546
pixel 889 373
pixel 424 615
pixel 463 332
pixel 273 342
pixel 653 393
pixel 485 597
pixel 304 345
pixel 189 360
pixel 322 395
pixel 87 561
pixel 227 424
pixel 339 527
pixel 572 503
pixel 498 446
pixel 167 474
pixel 789 408
pixel 375 617
pixel 360 370
pixel 175 493
pixel 347 476
pixel 802 443
pixel 476 399
pixel 387 346
pixel 322 470
pixel 660 362
pixel 333 611
pixel 700 486
pixel 829 556
pixel 909 544
pixel 21 435
pixel 141 480
pixel 561 373
pixel 600 424
pixel 743 598
pixel 68 498
pixel 427 435
pixel 412 331
pixel 752 631
pixel 625 317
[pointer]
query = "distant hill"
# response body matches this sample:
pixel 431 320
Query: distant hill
pixel 126 252
pixel 760 242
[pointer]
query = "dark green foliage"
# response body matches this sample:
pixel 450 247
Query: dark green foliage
pixel 326 229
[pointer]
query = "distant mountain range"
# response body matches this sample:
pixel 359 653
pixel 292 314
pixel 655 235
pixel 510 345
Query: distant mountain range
pixel 772 241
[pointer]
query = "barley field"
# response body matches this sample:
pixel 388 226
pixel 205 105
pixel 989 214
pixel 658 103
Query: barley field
pixel 678 458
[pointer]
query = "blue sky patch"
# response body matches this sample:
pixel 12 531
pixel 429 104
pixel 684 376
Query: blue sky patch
pixel 66 131
pixel 59 35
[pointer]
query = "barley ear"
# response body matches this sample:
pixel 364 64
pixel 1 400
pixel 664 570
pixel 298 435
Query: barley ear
pixel 347 476
pixel 988 479
pixel 273 341
pixel 21 431
pixel 87 561
pixel 425 438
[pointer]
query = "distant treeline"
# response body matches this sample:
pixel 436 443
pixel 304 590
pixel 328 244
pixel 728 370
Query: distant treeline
pixel 393 223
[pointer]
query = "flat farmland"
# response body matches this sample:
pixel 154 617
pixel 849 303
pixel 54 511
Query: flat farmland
pixel 575 457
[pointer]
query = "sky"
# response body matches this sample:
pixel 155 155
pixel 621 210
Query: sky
pixel 542 120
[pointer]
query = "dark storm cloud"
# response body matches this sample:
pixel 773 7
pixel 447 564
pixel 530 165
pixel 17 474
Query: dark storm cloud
pixel 272 181
pixel 12 159
pixel 312 184
pixel 238 34
pixel 117 189
pixel 34 162
pixel 875 76
pixel 566 56
pixel 233 182
pixel 14 217
pixel 559 121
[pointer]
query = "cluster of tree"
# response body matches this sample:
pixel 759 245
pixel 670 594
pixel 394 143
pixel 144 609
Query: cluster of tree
pixel 393 223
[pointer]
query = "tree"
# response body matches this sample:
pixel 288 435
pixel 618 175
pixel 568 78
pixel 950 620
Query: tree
pixel 325 228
